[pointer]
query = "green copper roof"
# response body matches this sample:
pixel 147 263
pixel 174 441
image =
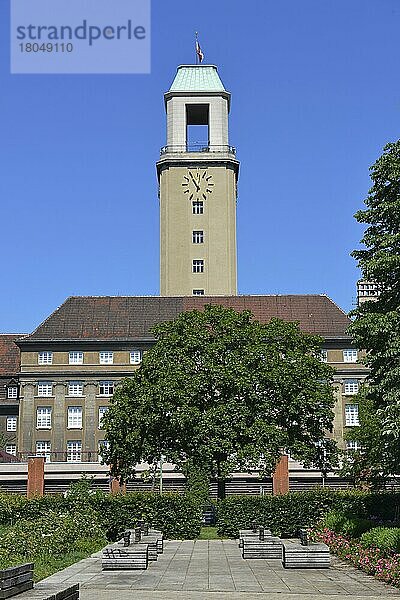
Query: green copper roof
pixel 197 78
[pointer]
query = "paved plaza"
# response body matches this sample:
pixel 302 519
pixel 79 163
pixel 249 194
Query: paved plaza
pixel 215 570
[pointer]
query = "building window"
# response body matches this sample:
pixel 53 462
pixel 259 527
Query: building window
pixel 136 357
pixel 351 387
pixel 198 266
pixel 349 356
pixel 102 412
pixel 198 292
pixel 43 449
pixel 45 358
pixel 11 423
pixel 75 358
pixel 43 417
pixel 12 392
pixel 352 445
pixel 106 358
pixel 106 388
pixel 75 388
pixel 74 417
pixel 198 207
pixel 198 237
pixel 11 449
pixel 351 412
pixel 323 354
pixel 45 388
pixel 103 445
pixel 74 451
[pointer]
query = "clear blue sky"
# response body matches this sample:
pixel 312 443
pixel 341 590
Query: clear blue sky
pixel 315 95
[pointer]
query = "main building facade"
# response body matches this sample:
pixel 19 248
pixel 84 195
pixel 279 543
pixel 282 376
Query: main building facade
pixel 57 390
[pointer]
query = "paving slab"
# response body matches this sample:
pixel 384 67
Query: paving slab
pixel 215 570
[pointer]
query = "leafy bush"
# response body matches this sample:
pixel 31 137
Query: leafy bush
pixel 178 516
pixel 287 513
pixel 387 539
pixel 51 535
pixel 374 561
pixel 350 527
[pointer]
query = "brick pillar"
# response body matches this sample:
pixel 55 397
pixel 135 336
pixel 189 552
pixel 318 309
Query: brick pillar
pixel 35 485
pixel 116 487
pixel 280 478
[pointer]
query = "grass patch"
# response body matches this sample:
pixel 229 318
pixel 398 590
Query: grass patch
pixel 210 533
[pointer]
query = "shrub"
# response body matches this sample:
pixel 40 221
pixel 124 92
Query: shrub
pixel 350 527
pixel 50 535
pixel 177 515
pixel 286 514
pixel 387 539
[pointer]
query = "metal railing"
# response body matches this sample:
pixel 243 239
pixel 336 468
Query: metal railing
pixel 63 457
pixel 198 147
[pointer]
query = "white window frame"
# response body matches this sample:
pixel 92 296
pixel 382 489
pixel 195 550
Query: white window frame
pixel 45 357
pixel 198 207
pixel 324 355
pixel 75 415
pixel 198 236
pixel 106 385
pixel 74 451
pixel 350 355
pixel 11 449
pixel 351 387
pixel 11 423
pixel 101 443
pixel 198 292
pixel 135 357
pixel 102 412
pixel 351 415
pixel 12 392
pixel 106 357
pixel 352 445
pixel 44 389
pixel 75 357
pixel 43 448
pixel 43 417
pixel 198 265
pixel 75 389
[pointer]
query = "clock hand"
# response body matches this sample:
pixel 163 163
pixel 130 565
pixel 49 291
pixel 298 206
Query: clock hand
pixel 194 181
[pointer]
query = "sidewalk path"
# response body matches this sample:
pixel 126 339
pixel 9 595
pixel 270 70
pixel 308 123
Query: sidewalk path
pixel 215 570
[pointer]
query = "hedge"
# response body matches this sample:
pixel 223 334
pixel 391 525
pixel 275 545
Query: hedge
pixel 177 515
pixel 285 514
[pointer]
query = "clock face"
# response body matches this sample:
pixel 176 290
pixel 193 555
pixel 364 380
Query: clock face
pixel 197 184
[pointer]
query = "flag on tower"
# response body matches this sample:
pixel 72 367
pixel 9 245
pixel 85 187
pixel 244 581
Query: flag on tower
pixel 199 51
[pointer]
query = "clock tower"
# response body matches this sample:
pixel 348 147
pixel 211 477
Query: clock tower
pixel 197 174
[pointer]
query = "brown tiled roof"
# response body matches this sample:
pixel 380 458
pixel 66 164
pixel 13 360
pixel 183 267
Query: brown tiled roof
pixel 9 353
pixel 128 318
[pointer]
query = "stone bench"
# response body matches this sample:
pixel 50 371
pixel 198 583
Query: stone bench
pixel 15 580
pixel 154 541
pixel 311 556
pixel 270 547
pixel 131 557
pixel 252 534
pixel 51 592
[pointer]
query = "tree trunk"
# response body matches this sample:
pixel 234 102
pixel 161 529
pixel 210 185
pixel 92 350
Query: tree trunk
pixel 221 492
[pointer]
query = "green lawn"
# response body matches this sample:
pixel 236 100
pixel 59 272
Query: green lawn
pixel 210 533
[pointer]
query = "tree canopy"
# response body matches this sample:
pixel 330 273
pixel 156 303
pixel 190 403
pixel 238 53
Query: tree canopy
pixel 376 327
pixel 225 392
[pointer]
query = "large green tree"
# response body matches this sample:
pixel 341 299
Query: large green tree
pixel 222 392
pixel 376 327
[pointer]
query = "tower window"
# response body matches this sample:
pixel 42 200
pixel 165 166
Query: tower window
pixel 198 292
pixel 198 237
pixel 198 207
pixel 198 266
pixel 197 127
